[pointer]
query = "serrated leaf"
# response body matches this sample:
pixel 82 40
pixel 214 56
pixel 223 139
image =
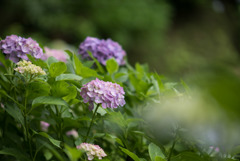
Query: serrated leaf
pixel 57 68
pixel 112 66
pixel 132 155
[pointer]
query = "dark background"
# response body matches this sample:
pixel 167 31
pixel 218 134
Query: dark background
pixel 176 38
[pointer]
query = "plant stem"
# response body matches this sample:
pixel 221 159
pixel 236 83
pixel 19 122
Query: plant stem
pixel 91 122
pixel 173 145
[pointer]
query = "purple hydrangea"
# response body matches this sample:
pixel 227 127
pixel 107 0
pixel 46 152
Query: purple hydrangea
pixel 16 48
pixel 102 50
pixel 92 150
pixel 107 94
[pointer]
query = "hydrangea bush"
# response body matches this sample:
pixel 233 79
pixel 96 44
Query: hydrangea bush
pixel 45 104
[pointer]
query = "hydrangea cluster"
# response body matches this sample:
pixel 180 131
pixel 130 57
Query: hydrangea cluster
pixel 26 67
pixel 16 48
pixel 102 50
pixel 92 150
pixel 58 54
pixel 107 94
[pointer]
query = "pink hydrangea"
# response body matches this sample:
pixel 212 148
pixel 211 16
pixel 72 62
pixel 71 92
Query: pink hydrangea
pixel 58 54
pixel 44 126
pixel 73 133
pixel 107 94
pixel 16 48
pixel 92 150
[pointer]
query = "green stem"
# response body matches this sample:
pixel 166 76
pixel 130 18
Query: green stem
pixel 28 139
pixel 172 148
pixel 60 136
pixel 91 122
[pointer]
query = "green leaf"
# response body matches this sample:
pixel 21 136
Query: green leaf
pixel 119 141
pixel 158 158
pixel 154 151
pixel 38 62
pixel 15 112
pixel 57 68
pixel 49 100
pixel 83 71
pixel 68 77
pixel 132 155
pixel 73 153
pixel 187 156
pixel 64 90
pixel 69 53
pixel 14 152
pixel 53 150
pixel 112 66
pixel 53 141
pixel 37 89
pixel 51 60
pixel 100 68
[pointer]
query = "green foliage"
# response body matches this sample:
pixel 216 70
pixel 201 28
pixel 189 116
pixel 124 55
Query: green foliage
pixel 125 133
pixel 112 66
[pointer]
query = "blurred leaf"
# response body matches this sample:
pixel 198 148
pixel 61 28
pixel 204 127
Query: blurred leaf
pixel 38 62
pixel 47 154
pixel 84 71
pixel 15 112
pixel 57 68
pixel 132 155
pixel 53 141
pixel 73 153
pixel 187 156
pixel 100 68
pixel 68 77
pixel 51 60
pixel 158 158
pixel 39 88
pixel 154 151
pixel 53 150
pixel 16 153
pixel 49 100
pixel 112 66
pixel 119 141
pixel 121 77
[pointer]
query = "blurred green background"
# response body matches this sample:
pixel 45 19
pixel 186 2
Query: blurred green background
pixel 176 38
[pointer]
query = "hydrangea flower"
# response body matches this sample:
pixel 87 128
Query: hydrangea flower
pixel 102 50
pixel 44 126
pixel 58 54
pixel 73 133
pixel 92 150
pixel 107 94
pixel 16 48
pixel 26 67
